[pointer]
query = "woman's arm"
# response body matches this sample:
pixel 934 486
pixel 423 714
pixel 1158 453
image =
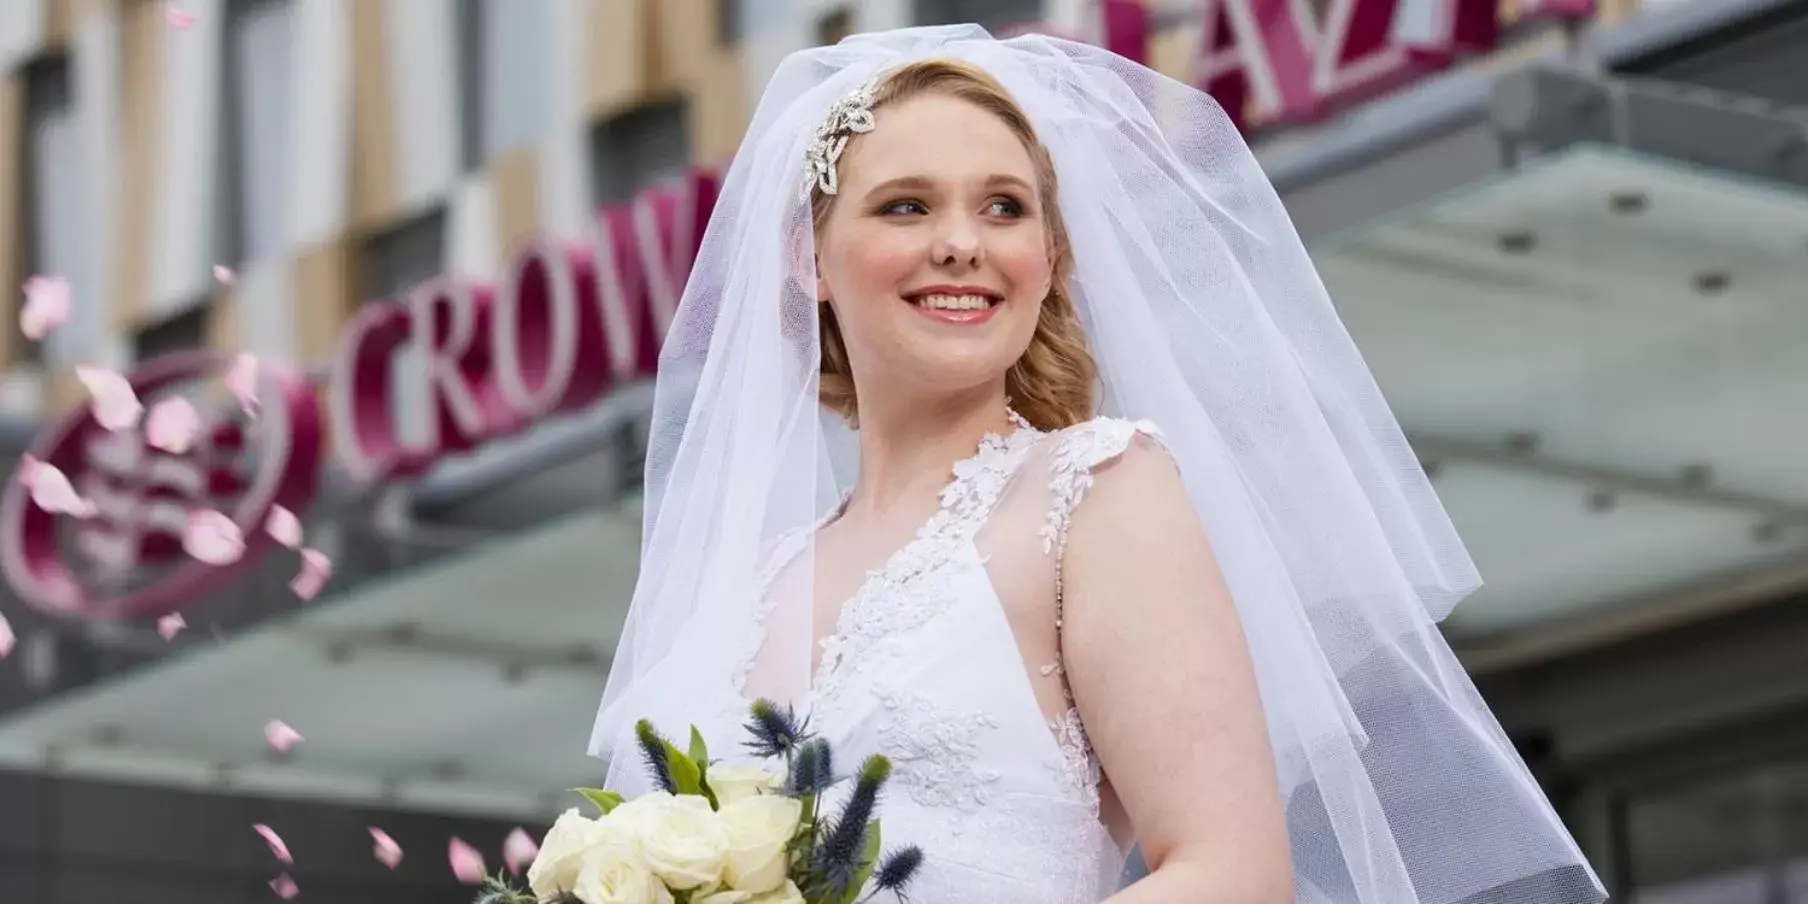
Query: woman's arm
pixel 1162 677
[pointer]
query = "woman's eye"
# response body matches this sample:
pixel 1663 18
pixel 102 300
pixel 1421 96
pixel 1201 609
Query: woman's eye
pixel 1004 207
pixel 910 207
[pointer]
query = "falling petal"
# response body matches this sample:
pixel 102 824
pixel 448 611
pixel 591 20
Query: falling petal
pixel 213 538
pixel 284 526
pixel 171 425
pixel 277 847
pixel 223 273
pixel 280 736
pixel 6 638
pixel 467 864
pixel 171 625
pixel 241 379
pixel 52 491
pixel 284 887
pixel 28 470
pixel 46 306
pixel 387 851
pixel 177 17
pixel 316 570
pixel 519 850
pixel 115 405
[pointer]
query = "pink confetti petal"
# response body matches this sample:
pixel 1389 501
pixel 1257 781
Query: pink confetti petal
pixel 386 851
pixel 224 274
pixel 241 379
pixel 284 526
pixel 28 470
pixel 519 850
pixel 277 847
pixel 172 424
pixel 52 491
pixel 467 864
pixel 213 538
pixel 6 638
pixel 115 405
pixel 280 736
pixel 285 887
pixel 46 306
pixel 171 625
pixel 316 570
pixel 177 17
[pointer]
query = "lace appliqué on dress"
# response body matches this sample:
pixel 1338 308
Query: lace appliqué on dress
pixel 935 752
pixel 1070 475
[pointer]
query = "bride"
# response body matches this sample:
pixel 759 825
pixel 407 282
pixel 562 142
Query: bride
pixel 881 489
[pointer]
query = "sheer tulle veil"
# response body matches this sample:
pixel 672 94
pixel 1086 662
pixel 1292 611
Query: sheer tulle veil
pixel 1206 316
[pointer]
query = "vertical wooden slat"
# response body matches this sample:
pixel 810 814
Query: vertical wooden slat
pixel 142 30
pixel 516 176
pixel 325 294
pixel 617 57
pixel 373 141
pixel 12 211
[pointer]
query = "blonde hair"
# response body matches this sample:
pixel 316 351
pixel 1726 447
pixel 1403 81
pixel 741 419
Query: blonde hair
pixel 1052 384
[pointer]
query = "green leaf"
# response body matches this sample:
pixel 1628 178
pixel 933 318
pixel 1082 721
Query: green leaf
pixel 699 752
pixel 869 860
pixel 606 801
pixel 686 776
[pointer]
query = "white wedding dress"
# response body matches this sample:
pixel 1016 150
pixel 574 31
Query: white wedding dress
pixel 993 777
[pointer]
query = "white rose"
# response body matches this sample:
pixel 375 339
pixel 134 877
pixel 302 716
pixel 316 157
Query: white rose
pixel 759 837
pixel 734 782
pixel 681 838
pixel 784 894
pixel 613 874
pixel 728 896
pixel 556 867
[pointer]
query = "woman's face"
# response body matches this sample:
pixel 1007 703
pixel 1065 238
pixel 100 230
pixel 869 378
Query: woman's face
pixel 935 255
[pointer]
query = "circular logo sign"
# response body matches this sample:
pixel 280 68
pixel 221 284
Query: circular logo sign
pixel 127 561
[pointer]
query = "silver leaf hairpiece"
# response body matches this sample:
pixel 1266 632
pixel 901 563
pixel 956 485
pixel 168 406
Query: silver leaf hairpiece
pixel 850 115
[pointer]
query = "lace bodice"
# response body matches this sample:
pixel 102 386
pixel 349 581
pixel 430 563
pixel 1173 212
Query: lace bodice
pixel 994 776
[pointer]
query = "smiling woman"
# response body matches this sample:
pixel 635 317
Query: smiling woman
pixel 970 239
pixel 1203 622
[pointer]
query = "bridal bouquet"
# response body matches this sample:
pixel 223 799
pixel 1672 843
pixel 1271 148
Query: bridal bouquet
pixel 721 833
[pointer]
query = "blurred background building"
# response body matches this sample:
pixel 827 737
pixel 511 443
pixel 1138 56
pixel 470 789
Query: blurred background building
pixel 1571 237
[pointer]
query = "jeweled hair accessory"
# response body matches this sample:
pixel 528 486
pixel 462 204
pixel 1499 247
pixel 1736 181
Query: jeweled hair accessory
pixel 852 114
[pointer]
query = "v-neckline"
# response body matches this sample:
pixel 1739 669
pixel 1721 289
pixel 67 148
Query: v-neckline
pixel 961 472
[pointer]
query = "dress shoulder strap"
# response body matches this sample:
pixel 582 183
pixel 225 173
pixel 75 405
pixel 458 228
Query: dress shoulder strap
pixel 1079 450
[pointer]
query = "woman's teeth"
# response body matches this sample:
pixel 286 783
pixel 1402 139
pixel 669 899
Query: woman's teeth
pixel 954 302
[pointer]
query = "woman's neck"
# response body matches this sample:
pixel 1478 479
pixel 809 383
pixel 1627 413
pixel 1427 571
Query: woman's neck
pixel 906 450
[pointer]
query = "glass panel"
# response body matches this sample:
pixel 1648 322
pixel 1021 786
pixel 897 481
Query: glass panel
pixel 53 180
pixel 990 13
pixel 1732 839
pixel 260 88
pixel 637 149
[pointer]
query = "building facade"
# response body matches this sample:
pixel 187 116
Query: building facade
pixel 1569 237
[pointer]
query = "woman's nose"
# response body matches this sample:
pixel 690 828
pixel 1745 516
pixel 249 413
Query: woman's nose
pixel 957 243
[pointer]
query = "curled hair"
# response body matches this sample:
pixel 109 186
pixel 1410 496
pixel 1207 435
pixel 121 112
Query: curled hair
pixel 1054 383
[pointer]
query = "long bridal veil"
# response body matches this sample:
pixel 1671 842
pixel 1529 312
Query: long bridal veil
pixel 1207 317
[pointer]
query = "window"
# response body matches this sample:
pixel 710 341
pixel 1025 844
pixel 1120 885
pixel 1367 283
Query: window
pixel 259 99
pixel 53 189
pixel 404 257
pixel 728 23
pixel 990 13
pixel 180 333
pixel 504 75
pixel 834 25
pixel 637 149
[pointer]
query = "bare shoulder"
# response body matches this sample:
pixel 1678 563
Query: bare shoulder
pixel 1125 473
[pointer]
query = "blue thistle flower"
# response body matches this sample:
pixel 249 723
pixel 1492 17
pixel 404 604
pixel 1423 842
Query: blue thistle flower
pixel 897 869
pixel 776 730
pixel 837 860
pixel 813 769
pixel 652 752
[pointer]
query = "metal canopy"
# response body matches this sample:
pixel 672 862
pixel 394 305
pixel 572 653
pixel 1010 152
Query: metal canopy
pixel 1604 358
pixel 466 686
